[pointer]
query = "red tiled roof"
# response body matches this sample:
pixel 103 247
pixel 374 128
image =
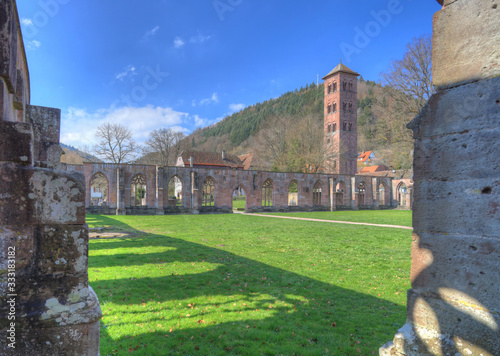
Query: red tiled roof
pixel 211 159
pixel 371 169
pixel 246 160
pixel 363 157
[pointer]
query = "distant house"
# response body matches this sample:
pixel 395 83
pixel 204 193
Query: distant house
pixel 366 157
pixel 247 161
pixel 199 159
pixel 372 169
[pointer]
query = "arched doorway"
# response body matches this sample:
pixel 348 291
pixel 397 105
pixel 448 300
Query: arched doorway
pixel 267 193
pixel 293 193
pixel 340 189
pixel 317 190
pixel 402 191
pixel 98 190
pixel 175 191
pixel 361 193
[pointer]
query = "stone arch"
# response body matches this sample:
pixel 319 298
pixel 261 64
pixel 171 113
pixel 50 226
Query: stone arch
pixel 384 194
pixel 293 193
pixel 340 191
pixel 361 193
pixel 267 192
pixel 317 191
pixel 208 192
pixel 99 189
pixel 138 190
pixel 175 191
pixel 401 193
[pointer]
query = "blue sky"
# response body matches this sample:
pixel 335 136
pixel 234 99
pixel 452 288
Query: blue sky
pixel 186 64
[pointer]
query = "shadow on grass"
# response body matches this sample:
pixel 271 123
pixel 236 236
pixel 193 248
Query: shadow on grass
pixel 242 306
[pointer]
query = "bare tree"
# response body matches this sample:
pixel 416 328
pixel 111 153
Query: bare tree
pixel 163 146
pixel 115 144
pixel 271 144
pixel 410 79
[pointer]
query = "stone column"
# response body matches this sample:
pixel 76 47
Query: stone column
pixel 454 303
pixel 333 193
pixel 120 191
pixel 195 205
pixel 375 194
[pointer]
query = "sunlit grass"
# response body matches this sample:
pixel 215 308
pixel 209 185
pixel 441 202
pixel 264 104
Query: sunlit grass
pixel 233 284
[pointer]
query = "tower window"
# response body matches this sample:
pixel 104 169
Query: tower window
pixel 350 107
pixel 350 127
pixel 329 128
pixel 329 89
pixel 334 107
pixel 344 126
pixel 350 86
pixel 334 127
pixel 334 87
pixel 344 86
pixel 344 107
pixel 329 108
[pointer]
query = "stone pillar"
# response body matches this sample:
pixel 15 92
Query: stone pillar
pixel 375 194
pixel 454 303
pixel 195 202
pixel 120 191
pixel 159 192
pixel 353 194
pixel 333 193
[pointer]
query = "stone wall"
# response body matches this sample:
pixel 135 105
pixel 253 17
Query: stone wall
pixel 46 304
pixel 454 304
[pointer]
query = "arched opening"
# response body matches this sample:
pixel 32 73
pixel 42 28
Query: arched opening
pixel 208 197
pixel 239 199
pixel 361 193
pixel 267 193
pixel 99 190
pixel 317 190
pixel 293 193
pixel 138 191
pixel 340 189
pixel 175 192
pixel 383 194
pixel 402 192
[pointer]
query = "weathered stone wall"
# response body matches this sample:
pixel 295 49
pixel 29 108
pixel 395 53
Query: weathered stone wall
pixel 454 304
pixel 226 181
pixel 46 304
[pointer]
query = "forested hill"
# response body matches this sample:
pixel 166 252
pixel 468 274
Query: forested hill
pixel 380 127
pixel 246 123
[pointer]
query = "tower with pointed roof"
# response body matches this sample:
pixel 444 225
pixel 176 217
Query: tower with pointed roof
pixel 341 128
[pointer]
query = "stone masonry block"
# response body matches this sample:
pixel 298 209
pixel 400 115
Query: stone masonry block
pixel 442 261
pixel 470 107
pixel 457 58
pixel 32 196
pixel 456 318
pixel 15 142
pixel 8 43
pixel 62 249
pixel 46 123
pixel 450 156
pixel 456 207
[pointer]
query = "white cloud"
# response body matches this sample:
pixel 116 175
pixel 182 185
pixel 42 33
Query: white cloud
pixel 199 38
pixel 152 32
pixel 236 107
pixel 214 99
pixel 179 42
pixel 78 125
pixel 128 72
pixel 26 22
pixel 31 45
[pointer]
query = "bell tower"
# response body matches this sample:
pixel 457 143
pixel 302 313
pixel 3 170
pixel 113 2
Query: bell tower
pixel 341 121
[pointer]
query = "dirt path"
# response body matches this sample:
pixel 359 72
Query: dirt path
pixel 330 221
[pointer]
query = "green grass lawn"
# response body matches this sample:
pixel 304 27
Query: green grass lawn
pixel 390 217
pixel 247 285
pixel 239 203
